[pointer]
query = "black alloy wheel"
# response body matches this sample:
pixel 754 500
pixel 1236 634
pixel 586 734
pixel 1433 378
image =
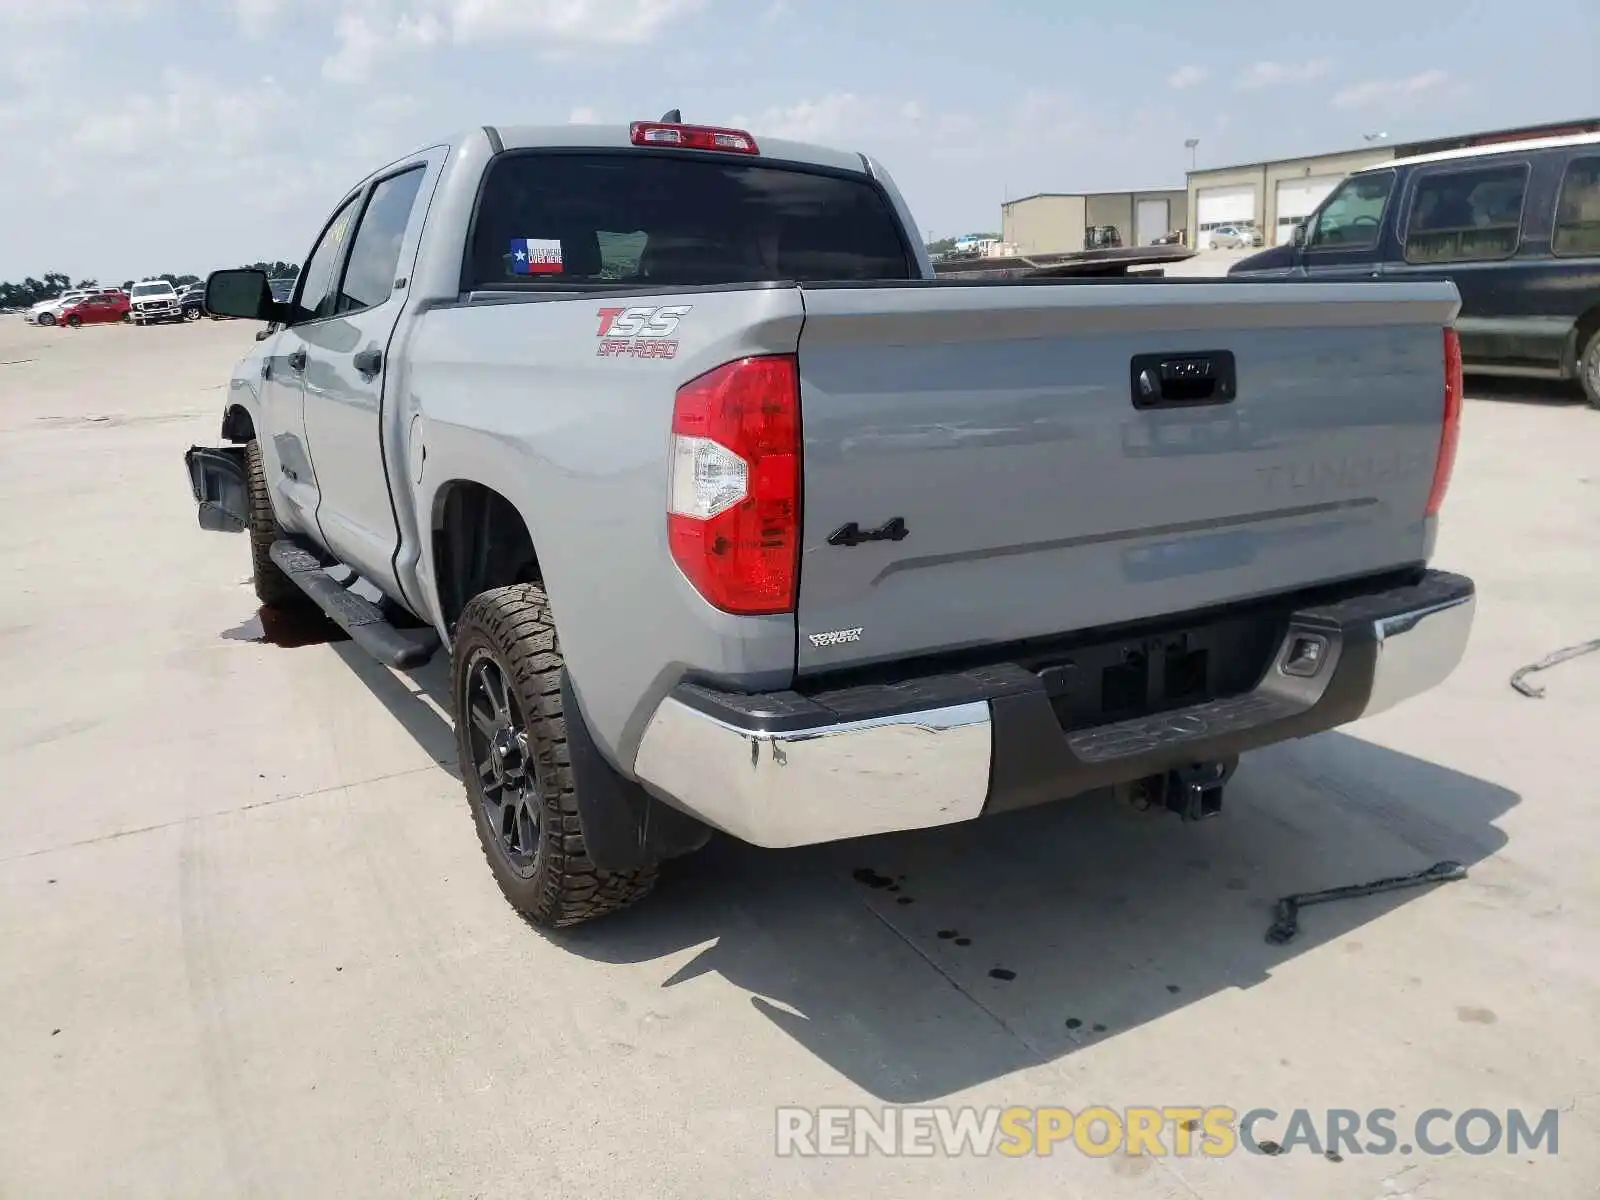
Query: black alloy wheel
pixel 505 781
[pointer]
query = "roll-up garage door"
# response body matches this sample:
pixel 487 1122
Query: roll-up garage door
pixel 1297 199
pixel 1232 205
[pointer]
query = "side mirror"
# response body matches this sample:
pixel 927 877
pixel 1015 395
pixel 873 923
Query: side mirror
pixel 244 294
pixel 1299 235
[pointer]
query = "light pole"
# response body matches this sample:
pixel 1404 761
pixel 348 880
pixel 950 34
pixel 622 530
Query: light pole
pixel 1189 145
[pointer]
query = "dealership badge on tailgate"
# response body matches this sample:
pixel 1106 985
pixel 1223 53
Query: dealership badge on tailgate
pixel 640 332
pixel 535 256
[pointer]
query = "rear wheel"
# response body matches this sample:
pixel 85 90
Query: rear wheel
pixel 511 740
pixel 273 587
pixel 1589 368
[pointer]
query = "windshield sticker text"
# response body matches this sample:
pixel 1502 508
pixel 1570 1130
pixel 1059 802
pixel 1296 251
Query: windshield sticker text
pixel 535 256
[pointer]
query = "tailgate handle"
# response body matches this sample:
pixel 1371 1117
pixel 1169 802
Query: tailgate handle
pixel 1181 380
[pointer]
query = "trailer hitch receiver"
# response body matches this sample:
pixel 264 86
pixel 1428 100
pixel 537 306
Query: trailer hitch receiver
pixel 1195 792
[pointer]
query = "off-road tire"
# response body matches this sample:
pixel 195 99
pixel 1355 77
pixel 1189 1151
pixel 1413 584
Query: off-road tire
pixel 514 625
pixel 1589 369
pixel 273 587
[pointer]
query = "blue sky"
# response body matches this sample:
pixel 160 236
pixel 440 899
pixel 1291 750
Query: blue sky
pixel 153 135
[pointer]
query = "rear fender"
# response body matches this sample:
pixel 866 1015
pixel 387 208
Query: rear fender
pixel 218 478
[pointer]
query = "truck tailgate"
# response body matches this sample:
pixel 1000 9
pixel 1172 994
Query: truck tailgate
pixel 977 469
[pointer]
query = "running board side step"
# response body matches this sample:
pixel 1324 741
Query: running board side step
pixel 356 615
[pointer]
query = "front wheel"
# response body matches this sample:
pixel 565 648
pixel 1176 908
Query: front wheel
pixel 191 314
pixel 47 319
pixel 1589 369
pixel 273 587
pixel 74 321
pixel 511 740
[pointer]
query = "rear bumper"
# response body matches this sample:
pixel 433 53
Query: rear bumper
pixel 786 770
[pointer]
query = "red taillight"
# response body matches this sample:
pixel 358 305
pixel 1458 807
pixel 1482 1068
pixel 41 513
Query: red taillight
pixel 733 509
pixel 692 137
pixel 1451 434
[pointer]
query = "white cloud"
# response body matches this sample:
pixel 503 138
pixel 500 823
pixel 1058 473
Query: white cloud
pixel 831 118
pixel 611 22
pixel 1379 91
pixel 256 17
pixel 370 32
pixel 583 115
pixel 1187 77
pixel 187 111
pixel 1274 74
pixel 367 37
pixel 43 12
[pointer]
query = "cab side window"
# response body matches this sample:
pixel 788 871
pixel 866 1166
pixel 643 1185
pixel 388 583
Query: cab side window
pixel 317 292
pixel 1577 228
pixel 1353 216
pixel 375 255
pixel 1466 216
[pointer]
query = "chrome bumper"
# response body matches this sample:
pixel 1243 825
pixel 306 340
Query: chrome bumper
pixel 784 770
pixel 1418 650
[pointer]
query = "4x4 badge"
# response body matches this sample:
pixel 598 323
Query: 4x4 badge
pixel 892 530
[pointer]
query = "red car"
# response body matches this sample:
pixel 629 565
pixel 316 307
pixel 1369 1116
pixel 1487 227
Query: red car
pixel 91 310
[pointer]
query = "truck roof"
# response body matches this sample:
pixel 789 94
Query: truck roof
pixel 533 137
pixel 1485 149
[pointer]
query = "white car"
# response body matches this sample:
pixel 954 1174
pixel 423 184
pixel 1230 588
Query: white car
pixel 45 312
pixel 1234 237
pixel 154 300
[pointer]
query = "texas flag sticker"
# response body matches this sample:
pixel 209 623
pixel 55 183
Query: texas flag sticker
pixel 535 256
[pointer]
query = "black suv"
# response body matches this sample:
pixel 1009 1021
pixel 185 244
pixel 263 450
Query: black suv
pixel 192 302
pixel 1515 225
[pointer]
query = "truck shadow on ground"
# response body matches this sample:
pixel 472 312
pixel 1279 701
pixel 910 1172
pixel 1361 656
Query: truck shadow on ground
pixel 920 964
pixel 1545 393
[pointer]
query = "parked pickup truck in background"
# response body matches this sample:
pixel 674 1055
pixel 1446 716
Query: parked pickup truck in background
pixel 734 517
pixel 154 301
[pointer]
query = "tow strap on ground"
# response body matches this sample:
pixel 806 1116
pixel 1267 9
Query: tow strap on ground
pixel 1286 921
pixel 1549 660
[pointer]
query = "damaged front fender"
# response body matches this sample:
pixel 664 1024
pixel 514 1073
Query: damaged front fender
pixel 220 482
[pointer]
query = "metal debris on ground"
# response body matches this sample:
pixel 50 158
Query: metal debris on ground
pixel 1549 660
pixel 1286 922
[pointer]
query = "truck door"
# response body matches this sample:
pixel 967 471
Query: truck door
pixel 1485 226
pixel 1345 238
pixel 286 456
pixel 347 363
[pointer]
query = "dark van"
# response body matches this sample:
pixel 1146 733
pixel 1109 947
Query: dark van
pixel 1516 226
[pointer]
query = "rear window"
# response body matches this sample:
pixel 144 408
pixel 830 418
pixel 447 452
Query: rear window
pixel 642 219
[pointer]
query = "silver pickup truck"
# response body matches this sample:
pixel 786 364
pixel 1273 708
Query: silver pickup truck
pixel 734 517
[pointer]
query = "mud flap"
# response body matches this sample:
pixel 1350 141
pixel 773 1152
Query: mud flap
pixel 624 827
pixel 221 487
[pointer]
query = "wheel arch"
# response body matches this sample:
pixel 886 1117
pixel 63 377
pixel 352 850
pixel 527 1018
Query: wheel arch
pixel 238 426
pixel 1585 327
pixel 479 540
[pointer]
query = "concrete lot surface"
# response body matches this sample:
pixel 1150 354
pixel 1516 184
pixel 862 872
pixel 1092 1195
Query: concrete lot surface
pixel 250 947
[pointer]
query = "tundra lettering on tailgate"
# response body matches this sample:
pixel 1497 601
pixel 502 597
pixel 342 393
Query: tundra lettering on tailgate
pixel 640 332
pixel 1350 473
